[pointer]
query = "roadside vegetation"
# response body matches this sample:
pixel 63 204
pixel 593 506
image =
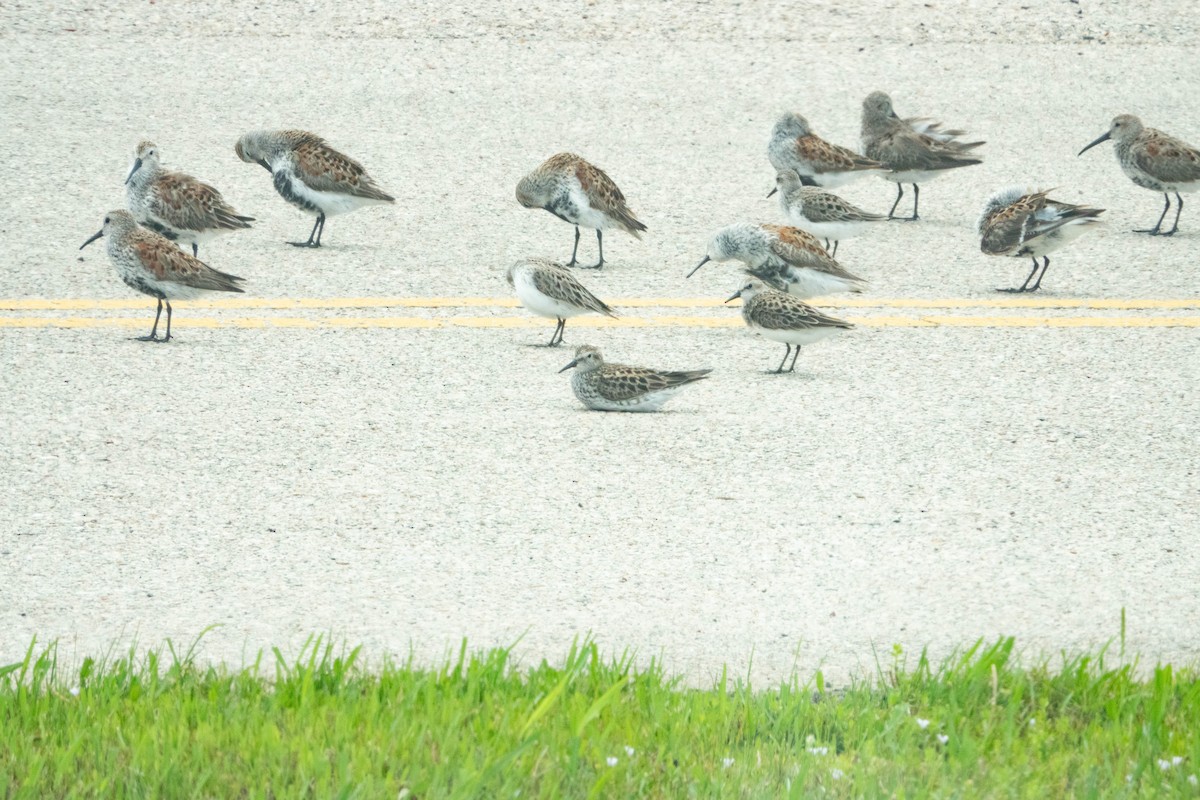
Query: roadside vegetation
pixel 159 724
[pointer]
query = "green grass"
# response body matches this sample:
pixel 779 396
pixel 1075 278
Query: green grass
pixel 158 725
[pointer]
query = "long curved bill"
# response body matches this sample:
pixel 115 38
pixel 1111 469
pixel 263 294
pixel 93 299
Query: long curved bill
pixel 1103 138
pixel 92 238
pixel 698 266
pixel 136 166
pixel 569 366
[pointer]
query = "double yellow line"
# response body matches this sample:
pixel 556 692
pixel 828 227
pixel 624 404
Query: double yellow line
pixel 16 313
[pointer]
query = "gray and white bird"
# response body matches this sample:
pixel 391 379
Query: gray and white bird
pixel 913 150
pixel 581 194
pixel 1155 161
pixel 788 258
pixel 783 318
pixel 1019 223
pixel 311 175
pixel 176 205
pixel 794 146
pixel 151 264
pixel 819 211
pixel 551 290
pixel 615 387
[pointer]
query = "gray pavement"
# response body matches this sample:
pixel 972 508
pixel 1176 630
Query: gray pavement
pixel 405 487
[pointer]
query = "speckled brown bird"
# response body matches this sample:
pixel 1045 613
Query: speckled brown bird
pixel 550 290
pixel 1019 223
pixel 151 264
pixel 175 205
pixel 794 146
pixel 582 194
pixel 311 175
pixel 616 387
pixel 1155 161
pixel 913 150
pixel 783 318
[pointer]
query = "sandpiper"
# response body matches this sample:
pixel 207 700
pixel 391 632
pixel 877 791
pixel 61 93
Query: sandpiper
pixel 580 193
pixel 914 150
pixel 783 318
pixel 615 387
pixel 1018 223
pixel 794 146
pixel 311 175
pixel 1156 161
pixel 788 258
pixel 551 290
pixel 820 212
pixel 175 205
pixel 151 264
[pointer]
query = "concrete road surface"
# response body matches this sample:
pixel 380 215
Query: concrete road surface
pixel 368 443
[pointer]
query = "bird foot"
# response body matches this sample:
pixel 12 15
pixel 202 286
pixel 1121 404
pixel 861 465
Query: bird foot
pixel 151 338
pixel 309 243
pixel 1151 231
pixel 1170 232
pixel 1013 291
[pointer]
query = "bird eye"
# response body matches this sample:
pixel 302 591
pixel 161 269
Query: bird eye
pixel 106 220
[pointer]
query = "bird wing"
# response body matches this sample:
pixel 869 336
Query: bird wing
pixel 779 311
pixel 903 149
pixel 799 248
pixel 170 264
pixel 1166 158
pixel 835 158
pixel 822 206
pixel 619 382
pixel 185 203
pixel 557 282
pixel 324 169
pixel 605 196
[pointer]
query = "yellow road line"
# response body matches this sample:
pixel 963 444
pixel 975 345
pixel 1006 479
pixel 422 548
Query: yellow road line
pixel 283 303
pixel 592 322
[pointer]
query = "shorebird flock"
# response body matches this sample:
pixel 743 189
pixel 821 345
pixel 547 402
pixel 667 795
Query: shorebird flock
pixel 784 264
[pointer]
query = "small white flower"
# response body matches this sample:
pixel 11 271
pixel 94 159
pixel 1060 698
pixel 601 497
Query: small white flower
pixel 612 761
pixel 1192 780
pixel 922 723
pixel 629 751
pixel 727 762
pixel 1176 761
pixel 836 774
pixel 1032 722
pixel 1129 778
pixel 943 738
pixel 1164 764
pixel 75 691
pixel 818 751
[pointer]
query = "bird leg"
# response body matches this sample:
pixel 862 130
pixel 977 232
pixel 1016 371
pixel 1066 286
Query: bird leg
pixel 1045 267
pixel 153 337
pixel 786 353
pixel 1178 208
pixel 916 202
pixel 794 357
pixel 167 338
pixel 575 249
pixel 600 244
pixel 556 339
pixel 314 239
pixel 1027 280
pixel 195 251
pixel 899 194
pixel 1158 225
pixel 834 253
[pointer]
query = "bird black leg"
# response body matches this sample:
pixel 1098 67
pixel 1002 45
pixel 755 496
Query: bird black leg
pixel 1045 267
pixel 313 239
pixel 556 339
pixel 899 194
pixel 600 244
pixel 786 353
pixel 1178 208
pixel 1158 225
pixel 153 337
pixel 834 253
pixel 167 338
pixel 916 202
pixel 195 251
pixel 321 232
pixel 575 249
pixel 1027 280
pixel 794 357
